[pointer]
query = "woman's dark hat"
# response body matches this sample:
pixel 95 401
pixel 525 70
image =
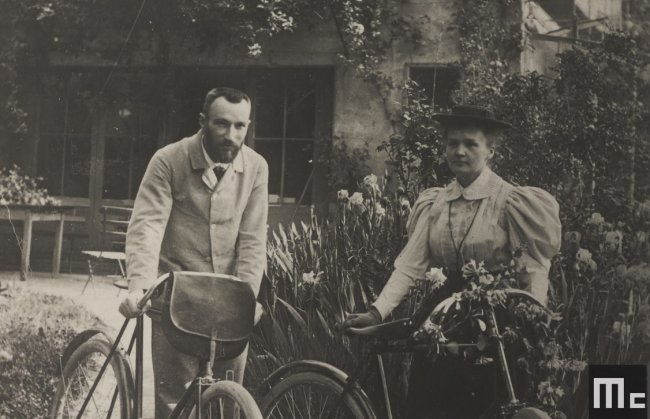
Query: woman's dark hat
pixel 470 114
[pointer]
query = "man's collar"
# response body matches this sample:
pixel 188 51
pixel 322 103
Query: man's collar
pixel 483 186
pixel 201 160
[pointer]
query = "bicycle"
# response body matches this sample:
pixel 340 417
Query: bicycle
pixel 325 391
pixel 97 378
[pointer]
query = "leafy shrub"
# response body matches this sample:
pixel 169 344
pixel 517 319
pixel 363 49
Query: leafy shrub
pixel 343 164
pixel 600 285
pixel 416 152
pixel 34 331
pixel 320 272
pixel 17 188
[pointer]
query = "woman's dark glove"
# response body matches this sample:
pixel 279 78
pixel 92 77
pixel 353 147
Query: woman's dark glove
pixel 369 318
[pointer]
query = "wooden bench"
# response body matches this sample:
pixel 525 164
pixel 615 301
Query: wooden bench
pixel 115 221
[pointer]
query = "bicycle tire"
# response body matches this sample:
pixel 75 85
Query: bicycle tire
pixel 273 405
pixel 75 382
pixel 211 401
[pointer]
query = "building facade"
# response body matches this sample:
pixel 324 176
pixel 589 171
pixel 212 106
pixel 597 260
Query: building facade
pixel 91 149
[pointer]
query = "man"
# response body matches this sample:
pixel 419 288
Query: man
pixel 202 206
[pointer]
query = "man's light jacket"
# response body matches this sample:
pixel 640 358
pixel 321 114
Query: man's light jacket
pixel 181 221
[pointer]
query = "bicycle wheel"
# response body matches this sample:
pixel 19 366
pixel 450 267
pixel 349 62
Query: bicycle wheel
pixel 530 413
pixel 113 396
pixel 310 395
pixel 227 400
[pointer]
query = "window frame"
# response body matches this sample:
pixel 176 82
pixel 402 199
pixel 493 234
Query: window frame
pixel 434 66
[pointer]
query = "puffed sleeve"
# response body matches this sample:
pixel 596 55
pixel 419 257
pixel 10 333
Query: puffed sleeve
pixel 533 221
pixel 413 260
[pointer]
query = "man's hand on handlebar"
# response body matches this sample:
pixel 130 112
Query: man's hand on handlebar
pixel 129 306
pixel 369 318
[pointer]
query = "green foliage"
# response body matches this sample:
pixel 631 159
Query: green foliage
pixel 416 151
pixel 344 164
pixel 17 188
pixel 577 135
pixel 578 128
pixel 601 285
pixel 490 43
pixel 34 331
pixel 126 32
pixel 320 272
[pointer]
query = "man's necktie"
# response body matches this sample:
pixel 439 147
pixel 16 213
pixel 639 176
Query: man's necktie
pixel 219 171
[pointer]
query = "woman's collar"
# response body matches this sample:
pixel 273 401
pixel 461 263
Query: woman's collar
pixel 483 186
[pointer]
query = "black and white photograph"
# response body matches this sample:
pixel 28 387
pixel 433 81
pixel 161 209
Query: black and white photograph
pixel 324 209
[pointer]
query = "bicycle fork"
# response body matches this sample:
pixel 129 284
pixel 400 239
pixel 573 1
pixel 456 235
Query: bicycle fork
pixel 382 374
pixel 513 403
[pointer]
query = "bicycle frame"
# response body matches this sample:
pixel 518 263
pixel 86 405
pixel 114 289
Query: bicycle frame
pixel 379 348
pixel 196 388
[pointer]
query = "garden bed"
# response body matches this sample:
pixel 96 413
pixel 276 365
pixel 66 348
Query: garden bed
pixel 34 330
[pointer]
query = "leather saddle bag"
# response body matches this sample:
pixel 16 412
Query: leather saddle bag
pixel 198 307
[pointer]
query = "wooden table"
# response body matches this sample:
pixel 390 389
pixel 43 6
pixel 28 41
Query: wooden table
pixel 29 214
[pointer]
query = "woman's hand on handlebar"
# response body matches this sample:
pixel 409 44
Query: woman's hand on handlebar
pixel 369 318
pixel 129 307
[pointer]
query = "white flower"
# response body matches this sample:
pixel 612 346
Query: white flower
pixel 357 28
pixel 436 277
pixel 430 327
pixel 356 199
pixel 596 218
pixel 592 265
pixel 5 356
pixel 486 279
pixel 379 210
pixel 472 270
pixel 405 204
pixel 370 180
pixel 254 50
pixel 310 278
pixel 613 241
pixel 433 329
pixel 583 255
pixel 343 195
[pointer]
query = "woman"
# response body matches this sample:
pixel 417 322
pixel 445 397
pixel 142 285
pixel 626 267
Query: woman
pixel 478 216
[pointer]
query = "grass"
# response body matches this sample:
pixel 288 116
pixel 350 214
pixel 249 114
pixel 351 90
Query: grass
pixel 34 330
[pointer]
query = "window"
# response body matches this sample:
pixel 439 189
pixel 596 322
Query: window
pixel 438 83
pixel 285 130
pixel 131 136
pixel 292 108
pixel 120 133
pixel 65 126
pixel 127 151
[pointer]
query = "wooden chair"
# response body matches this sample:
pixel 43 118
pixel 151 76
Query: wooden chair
pixel 115 221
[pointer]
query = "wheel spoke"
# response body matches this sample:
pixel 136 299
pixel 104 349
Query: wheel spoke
pixel 310 396
pixel 80 372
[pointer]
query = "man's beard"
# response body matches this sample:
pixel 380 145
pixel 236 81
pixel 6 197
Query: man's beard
pixel 223 152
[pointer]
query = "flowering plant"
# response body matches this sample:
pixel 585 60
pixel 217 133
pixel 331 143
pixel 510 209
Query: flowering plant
pixel 19 189
pixel 528 329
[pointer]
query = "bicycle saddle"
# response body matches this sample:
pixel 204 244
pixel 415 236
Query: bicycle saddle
pixel 395 330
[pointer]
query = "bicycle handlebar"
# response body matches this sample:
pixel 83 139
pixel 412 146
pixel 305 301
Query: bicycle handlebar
pixel 149 293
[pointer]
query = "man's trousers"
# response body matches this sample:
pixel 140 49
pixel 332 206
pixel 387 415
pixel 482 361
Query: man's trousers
pixel 173 370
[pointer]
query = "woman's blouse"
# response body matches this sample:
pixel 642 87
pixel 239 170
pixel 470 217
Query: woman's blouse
pixel 505 217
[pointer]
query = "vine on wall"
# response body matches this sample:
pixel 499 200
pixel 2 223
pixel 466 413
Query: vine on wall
pixel 118 31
